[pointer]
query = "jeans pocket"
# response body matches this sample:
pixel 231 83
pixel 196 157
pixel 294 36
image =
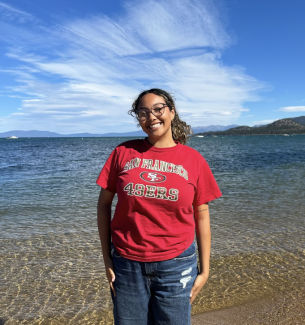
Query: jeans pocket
pixel 114 252
pixel 189 253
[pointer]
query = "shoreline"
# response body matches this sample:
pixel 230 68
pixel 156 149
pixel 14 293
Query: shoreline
pixel 243 135
pixel 285 309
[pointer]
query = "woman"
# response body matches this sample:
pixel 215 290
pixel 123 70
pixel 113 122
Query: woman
pixel 163 190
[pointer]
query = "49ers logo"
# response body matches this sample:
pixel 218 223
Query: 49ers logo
pixel 152 177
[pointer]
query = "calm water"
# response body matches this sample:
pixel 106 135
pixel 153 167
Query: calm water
pixel 51 266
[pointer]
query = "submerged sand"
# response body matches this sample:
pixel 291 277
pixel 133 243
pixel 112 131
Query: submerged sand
pixel 288 309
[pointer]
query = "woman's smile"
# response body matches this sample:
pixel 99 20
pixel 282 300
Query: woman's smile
pixel 155 126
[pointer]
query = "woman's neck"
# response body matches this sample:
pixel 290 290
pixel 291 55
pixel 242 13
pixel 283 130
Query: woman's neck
pixel 161 143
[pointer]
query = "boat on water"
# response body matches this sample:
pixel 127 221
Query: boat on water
pixel 12 137
pixel 199 136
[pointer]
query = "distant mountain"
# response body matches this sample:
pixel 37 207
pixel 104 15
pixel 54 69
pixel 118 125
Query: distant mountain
pixel 289 126
pixel 47 134
pixel 199 129
pixel 283 126
pixel 300 119
pixel 139 133
pixel 26 134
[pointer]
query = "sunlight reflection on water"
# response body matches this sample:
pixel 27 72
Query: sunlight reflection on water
pixel 51 266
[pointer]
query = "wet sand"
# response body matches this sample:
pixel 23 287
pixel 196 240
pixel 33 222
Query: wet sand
pixel 288 309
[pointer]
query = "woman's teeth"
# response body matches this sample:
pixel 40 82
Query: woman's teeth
pixel 155 125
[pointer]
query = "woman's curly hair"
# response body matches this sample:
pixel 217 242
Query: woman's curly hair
pixel 181 131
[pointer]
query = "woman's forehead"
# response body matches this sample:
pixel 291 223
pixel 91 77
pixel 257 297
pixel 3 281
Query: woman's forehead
pixel 149 100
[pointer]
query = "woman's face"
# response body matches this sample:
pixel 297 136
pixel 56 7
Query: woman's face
pixel 157 128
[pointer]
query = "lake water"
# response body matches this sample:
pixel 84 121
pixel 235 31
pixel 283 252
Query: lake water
pixel 51 265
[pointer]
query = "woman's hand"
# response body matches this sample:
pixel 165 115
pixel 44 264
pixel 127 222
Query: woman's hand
pixel 110 274
pixel 198 285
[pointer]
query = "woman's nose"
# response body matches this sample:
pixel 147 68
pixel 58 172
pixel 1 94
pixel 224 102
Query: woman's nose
pixel 151 116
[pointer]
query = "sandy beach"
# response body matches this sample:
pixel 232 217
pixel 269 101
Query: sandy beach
pixel 288 309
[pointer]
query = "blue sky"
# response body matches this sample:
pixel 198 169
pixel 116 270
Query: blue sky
pixel 76 66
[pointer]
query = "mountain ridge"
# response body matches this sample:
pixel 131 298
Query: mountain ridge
pixel 49 134
pixel 282 126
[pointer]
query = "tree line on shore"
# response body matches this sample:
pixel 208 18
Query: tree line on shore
pixel 284 126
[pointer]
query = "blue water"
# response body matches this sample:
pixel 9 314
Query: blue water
pixel 51 265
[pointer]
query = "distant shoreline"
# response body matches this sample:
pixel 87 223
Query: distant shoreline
pixel 243 135
pixel 143 136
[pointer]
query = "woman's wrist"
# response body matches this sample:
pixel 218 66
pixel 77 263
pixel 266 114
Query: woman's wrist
pixel 204 272
pixel 107 259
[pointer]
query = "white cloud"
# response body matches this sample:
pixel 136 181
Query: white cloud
pixel 83 75
pixel 171 25
pixel 292 109
pixel 19 114
pixel 264 122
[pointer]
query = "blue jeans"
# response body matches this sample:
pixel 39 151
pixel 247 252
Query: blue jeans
pixel 154 293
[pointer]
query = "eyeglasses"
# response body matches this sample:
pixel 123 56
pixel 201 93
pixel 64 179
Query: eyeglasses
pixel 157 110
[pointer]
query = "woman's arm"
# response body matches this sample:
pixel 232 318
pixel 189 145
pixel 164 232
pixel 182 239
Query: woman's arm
pixel 103 224
pixel 203 234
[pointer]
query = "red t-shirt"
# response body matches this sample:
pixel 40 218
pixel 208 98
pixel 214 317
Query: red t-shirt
pixel 157 189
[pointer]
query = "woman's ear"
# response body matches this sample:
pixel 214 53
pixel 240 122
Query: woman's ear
pixel 173 112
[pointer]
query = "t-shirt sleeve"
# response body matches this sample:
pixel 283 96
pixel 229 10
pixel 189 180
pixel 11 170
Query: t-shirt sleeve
pixel 109 174
pixel 207 188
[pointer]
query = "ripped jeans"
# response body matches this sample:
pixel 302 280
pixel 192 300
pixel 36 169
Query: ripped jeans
pixel 154 293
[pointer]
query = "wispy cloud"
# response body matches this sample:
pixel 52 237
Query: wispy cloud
pixel 262 122
pixel 292 109
pixel 82 75
pixel 10 13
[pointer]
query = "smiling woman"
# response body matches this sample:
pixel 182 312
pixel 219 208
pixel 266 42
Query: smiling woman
pixel 163 190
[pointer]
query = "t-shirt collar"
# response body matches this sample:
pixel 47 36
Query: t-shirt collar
pixel 152 148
